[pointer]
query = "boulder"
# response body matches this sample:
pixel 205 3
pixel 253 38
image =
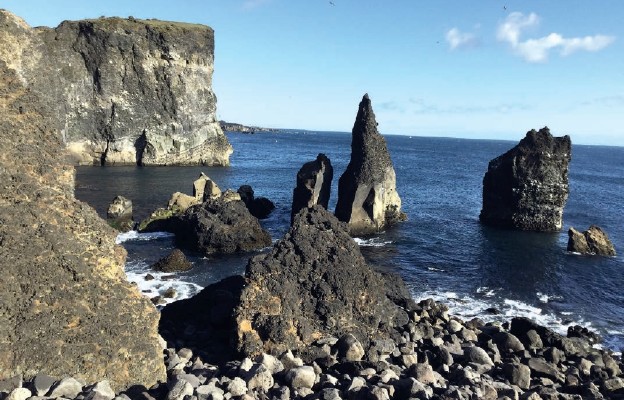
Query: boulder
pixel 219 227
pixel 119 214
pixel 367 196
pixel 175 261
pixel 259 207
pixel 313 185
pixel 66 307
pixel 313 284
pixel 205 188
pixel 181 201
pixel 593 241
pixel 527 187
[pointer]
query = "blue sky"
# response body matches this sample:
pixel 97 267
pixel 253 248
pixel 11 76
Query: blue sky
pixel 475 69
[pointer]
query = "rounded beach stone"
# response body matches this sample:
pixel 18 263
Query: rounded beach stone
pixel 19 394
pixel 68 388
pixel 301 377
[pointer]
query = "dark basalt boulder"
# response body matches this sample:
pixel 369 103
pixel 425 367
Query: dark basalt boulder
pixel 367 196
pixel 175 261
pixel 313 185
pixel 527 187
pixel 259 207
pixel 313 284
pixel 593 241
pixel 218 226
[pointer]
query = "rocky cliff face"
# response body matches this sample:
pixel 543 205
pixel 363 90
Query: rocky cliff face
pixel 123 90
pixel 66 307
pixel 527 187
pixel 367 196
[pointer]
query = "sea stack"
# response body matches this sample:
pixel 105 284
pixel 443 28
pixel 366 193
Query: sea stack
pixel 313 185
pixel 527 187
pixel 123 91
pixel 367 196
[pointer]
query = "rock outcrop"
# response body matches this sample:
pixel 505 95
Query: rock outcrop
pixel 259 207
pixel 66 307
pixel 527 187
pixel 367 196
pixel 123 91
pixel 313 185
pixel 119 214
pixel 314 284
pixel 593 241
pixel 175 261
pixel 218 226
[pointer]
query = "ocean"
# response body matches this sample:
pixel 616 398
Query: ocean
pixel 441 251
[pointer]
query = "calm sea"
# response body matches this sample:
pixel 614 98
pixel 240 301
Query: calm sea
pixel 441 251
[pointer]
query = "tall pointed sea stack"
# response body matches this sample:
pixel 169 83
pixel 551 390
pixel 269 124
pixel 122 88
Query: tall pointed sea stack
pixel 367 196
pixel 527 187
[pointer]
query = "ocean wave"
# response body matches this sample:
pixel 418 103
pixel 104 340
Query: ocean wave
pixel 163 284
pixel 372 242
pixel 545 298
pixel 134 235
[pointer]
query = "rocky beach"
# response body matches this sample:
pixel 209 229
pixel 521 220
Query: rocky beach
pixel 310 317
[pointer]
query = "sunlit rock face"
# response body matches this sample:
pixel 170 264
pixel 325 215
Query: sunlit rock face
pixel 527 187
pixel 367 196
pixel 123 91
pixel 66 307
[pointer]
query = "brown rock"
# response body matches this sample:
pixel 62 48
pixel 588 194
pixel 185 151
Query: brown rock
pixel 65 304
pixel 593 241
pixel 176 261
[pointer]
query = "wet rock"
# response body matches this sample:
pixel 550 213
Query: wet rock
pixel 367 196
pixel 527 187
pixel 219 227
pixel 313 185
pixel 259 207
pixel 175 261
pixel 593 241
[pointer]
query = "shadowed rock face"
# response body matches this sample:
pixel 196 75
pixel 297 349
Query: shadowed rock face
pixel 66 307
pixel 527 187
pixel 313 185
pixel 367 196
pixel 593 241
pixel 123 90
pixel 313 284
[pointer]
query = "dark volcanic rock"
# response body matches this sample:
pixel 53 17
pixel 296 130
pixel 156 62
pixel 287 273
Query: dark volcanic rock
pixel 259 207
pixel 175 261
pixel 66 307
pixel 219 227
pixel 313 185
pixel 592 241
pixel 527 187
pixel 367 196
pixel 314 283
pixel 124 91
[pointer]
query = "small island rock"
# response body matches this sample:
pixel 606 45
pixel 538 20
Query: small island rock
pixel 527 187
pixel 175 261
pixel 593 241
pixel 367 196
pixel 313 185
pixel 119 214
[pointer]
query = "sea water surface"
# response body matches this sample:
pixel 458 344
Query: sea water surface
pixel 441 251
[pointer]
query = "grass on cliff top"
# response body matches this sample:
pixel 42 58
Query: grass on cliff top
pixel 156 23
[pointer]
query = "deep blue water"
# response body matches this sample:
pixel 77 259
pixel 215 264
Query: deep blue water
pixel 441 251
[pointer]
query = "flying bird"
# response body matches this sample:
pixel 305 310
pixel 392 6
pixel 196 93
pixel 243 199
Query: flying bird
pixel 332 3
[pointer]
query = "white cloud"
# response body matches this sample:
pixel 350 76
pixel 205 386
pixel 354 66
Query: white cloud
pixel 457 39
pixel 538 50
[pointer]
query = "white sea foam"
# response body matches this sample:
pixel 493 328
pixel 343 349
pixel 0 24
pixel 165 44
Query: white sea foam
pixel 436 269
pixel 545 298
pixel 486 291
pixel 468 307
pixel 161 283
pixel 372 242
pixel 134 235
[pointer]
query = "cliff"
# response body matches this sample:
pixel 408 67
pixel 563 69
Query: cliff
pixel 66 307
pixel 234 127
pixel 123 90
